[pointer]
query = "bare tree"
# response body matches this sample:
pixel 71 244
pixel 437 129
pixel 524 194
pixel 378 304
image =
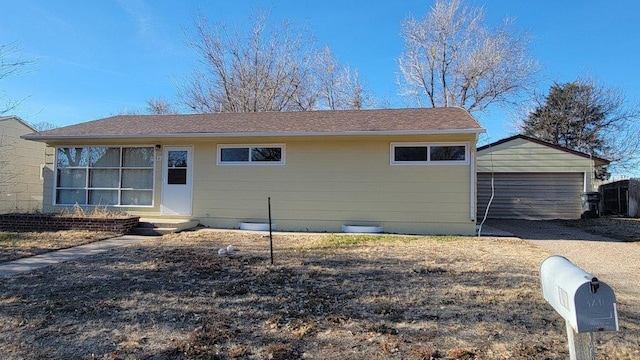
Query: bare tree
pixel 356 96
pixel 11 64
pixel 154 106
pixel 338 87
pixel 127 111
pixel 267 69
pixel 264 70
pixel 452 59
pixel 327 84
pixel 44 125
pixel 159 106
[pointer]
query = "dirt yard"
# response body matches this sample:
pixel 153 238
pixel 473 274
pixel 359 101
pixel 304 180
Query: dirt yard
pixel 326 297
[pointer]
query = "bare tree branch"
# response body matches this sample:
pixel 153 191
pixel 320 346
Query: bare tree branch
pixel 451 59
pixel 339 88
pixel 11 64
pixel 265 69
pixel 44 125
pixel 159 106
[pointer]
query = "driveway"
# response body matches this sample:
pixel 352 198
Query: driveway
pixel 612 261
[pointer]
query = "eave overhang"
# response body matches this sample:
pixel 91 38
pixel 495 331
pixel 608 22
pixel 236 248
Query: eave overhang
pixel 41 138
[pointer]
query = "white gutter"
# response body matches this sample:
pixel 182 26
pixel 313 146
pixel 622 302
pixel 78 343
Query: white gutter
pixel 36 137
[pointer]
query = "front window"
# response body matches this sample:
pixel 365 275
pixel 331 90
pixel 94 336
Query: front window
pixel 429 154
pixel 104 176
pixel 250 154
pixel 447 153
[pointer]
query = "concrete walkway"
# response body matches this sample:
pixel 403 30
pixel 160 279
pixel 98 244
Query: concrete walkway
pixel 35 262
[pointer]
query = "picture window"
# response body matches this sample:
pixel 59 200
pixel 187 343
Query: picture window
pixel 105 176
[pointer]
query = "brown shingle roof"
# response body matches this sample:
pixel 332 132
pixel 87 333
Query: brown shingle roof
pixel 401 121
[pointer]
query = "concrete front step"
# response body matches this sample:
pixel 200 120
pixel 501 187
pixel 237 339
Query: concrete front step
pixel 156 227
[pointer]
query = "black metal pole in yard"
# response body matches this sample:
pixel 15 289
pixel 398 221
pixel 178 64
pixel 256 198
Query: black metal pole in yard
pixel 270 231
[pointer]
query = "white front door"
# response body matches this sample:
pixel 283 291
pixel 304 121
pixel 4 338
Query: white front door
pixel 177 183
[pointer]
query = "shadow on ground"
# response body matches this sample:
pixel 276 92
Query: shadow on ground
pixel 545 230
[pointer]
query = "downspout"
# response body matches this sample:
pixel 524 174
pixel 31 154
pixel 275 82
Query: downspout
pixel 590 177
pixel 585 188
pixel 472 181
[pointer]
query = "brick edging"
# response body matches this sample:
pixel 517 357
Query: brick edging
pixel 50 222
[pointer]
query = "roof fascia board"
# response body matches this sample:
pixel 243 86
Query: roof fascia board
pixel 35 137
pixel 13 117
pixel 543 143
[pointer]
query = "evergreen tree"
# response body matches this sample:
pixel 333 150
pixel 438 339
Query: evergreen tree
pixel 571 117
pixel 584 116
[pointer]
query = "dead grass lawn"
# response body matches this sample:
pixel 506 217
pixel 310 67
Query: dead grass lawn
pixel 15 245
pixel 326 297
pixel 625 229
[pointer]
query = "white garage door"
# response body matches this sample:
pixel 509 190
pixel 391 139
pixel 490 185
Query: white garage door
pixel 537 196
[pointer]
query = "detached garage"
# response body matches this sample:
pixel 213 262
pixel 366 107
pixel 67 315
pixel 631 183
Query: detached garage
pixel 532 179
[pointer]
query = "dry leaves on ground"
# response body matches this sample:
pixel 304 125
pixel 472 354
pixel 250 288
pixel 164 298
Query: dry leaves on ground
pixel 16 245
pixel 326 297
pixel 625 229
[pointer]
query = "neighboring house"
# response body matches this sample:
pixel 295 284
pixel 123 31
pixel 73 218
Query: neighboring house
pixel 405 170
pixel 533 179
pixel 20 167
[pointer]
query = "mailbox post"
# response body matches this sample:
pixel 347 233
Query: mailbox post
pixel 587 304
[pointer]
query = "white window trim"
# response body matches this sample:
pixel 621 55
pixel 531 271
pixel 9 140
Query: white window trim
pixel 219 161
pixel 393 145
pixel 55 176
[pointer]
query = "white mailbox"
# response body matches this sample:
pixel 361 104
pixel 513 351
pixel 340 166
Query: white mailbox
pixel 587 304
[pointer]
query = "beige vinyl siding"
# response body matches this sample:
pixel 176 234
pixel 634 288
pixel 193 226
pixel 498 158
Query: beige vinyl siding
pixel 21 187
pixel 328 182
pixel 532 181
pixel 520 155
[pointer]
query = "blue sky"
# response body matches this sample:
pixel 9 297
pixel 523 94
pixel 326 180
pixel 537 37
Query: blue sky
pixel 102 57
